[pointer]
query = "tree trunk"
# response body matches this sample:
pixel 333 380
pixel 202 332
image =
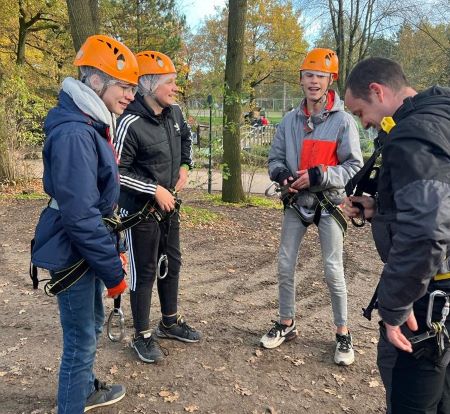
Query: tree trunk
pixel 232 190
pixel 84 20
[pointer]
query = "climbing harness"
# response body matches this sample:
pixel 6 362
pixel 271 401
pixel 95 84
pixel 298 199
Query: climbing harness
pixel 289 200
pixel 63 279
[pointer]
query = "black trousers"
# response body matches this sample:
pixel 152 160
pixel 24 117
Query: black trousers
pixel 144 241
pixel 417 383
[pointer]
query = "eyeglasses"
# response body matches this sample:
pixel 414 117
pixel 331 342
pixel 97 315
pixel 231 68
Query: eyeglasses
pixel 127 88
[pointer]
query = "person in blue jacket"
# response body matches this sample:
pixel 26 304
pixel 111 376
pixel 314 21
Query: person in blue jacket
pixel 81 177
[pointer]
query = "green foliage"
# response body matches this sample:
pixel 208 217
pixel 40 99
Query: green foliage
pixel 257 201
pixel 198 216
pixel 144 24
pixel 24 108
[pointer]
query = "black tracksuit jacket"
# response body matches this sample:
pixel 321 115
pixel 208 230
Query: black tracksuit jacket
pixel 151 150
pixel 412 225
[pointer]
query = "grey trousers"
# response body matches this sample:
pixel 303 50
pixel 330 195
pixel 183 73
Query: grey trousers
pixel 331 243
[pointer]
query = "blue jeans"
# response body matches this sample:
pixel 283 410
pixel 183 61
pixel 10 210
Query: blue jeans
pixel 82 317
pixel 331 243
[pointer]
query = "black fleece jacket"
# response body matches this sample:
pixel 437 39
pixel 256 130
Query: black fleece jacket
pixel 412 225
pixel 151 149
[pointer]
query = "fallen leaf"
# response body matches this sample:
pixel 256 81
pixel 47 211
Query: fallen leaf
pixel 22 311
pixel 339 378
pixel 308 393
pixel 191 408
pixel 140 395
pixel 113 370
pixel 164 393
pixel 373 384
pixel 329 391
pixel 374 340
pixel 258 352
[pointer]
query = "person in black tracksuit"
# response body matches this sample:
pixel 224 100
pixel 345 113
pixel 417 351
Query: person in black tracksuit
pixel 411 227
pixel 154 148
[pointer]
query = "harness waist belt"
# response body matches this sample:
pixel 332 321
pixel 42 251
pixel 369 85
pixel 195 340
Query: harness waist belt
pixel 441 276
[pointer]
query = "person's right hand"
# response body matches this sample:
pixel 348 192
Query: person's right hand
pixel 164 198
pixel 353 211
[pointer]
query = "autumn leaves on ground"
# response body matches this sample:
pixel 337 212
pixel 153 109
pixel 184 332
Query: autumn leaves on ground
pixel 229 292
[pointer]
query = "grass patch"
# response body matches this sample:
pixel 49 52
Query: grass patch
pixel 198 216
pixel 252 201
pixel 29 196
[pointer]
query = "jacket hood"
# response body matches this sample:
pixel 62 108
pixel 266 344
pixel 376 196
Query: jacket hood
pixel 140 108
pixel 433 101
pixel 66 111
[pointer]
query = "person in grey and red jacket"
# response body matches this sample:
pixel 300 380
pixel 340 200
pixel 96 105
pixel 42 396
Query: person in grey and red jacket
pixel 155 151
pixel 315 152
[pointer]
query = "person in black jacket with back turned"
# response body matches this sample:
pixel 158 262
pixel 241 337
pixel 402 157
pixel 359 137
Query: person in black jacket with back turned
pixel 411 228
pixel 154 149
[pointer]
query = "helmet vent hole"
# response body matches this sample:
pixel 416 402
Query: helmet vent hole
pixel 120 62
pixel 116 50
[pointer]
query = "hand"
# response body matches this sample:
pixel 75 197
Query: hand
pixel 117 290
pixel 302 180
pixel 164 198
pixel 182 179
pixel 396 337
pixel 353 211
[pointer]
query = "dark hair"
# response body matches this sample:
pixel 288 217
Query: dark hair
pixel 375 69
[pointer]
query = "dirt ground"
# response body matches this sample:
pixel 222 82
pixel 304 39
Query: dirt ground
pixel 229 292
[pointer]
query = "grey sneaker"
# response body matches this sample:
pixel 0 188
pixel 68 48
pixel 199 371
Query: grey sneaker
pixel 278 334
pixel 344 354
pixel 179 330
pixel 147 348
pixel 104 395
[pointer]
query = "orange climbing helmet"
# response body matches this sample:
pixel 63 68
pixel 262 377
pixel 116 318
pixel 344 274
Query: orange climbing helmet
pixel 322 60
pixel 154 63
pixel 110 56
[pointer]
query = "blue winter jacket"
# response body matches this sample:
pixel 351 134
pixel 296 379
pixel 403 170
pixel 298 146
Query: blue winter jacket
pixel 81 174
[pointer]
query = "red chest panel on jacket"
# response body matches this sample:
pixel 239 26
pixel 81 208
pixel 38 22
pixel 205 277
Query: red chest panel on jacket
pixel 316 152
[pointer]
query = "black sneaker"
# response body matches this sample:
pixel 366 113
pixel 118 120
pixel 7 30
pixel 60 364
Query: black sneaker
pixel 278 334
pixel 179 330
pixel 104 395
pixel 147 348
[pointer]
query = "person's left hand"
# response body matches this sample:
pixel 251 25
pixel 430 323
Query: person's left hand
pixel 396 337
pixel 302 181
pixel 182 179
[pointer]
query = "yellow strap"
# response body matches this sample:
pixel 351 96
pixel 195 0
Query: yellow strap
pixel 442 276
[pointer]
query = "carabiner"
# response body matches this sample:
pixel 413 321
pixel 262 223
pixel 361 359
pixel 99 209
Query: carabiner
pixel 272 190
pixel 116 337
pixel 445 309
pixel 163 260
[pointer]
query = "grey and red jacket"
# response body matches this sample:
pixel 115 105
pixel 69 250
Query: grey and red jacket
pixel 151 150
pixel 412 226
pixel 326 145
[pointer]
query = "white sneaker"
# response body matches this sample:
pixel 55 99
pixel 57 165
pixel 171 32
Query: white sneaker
pixel 278 334
pixel 344 354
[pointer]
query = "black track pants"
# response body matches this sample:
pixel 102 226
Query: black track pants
pixel 143 243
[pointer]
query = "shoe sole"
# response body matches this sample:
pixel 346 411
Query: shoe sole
pixel 142 358
pixel 344 363
pixel 289 337
pixel 164 335
pixel 104 404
